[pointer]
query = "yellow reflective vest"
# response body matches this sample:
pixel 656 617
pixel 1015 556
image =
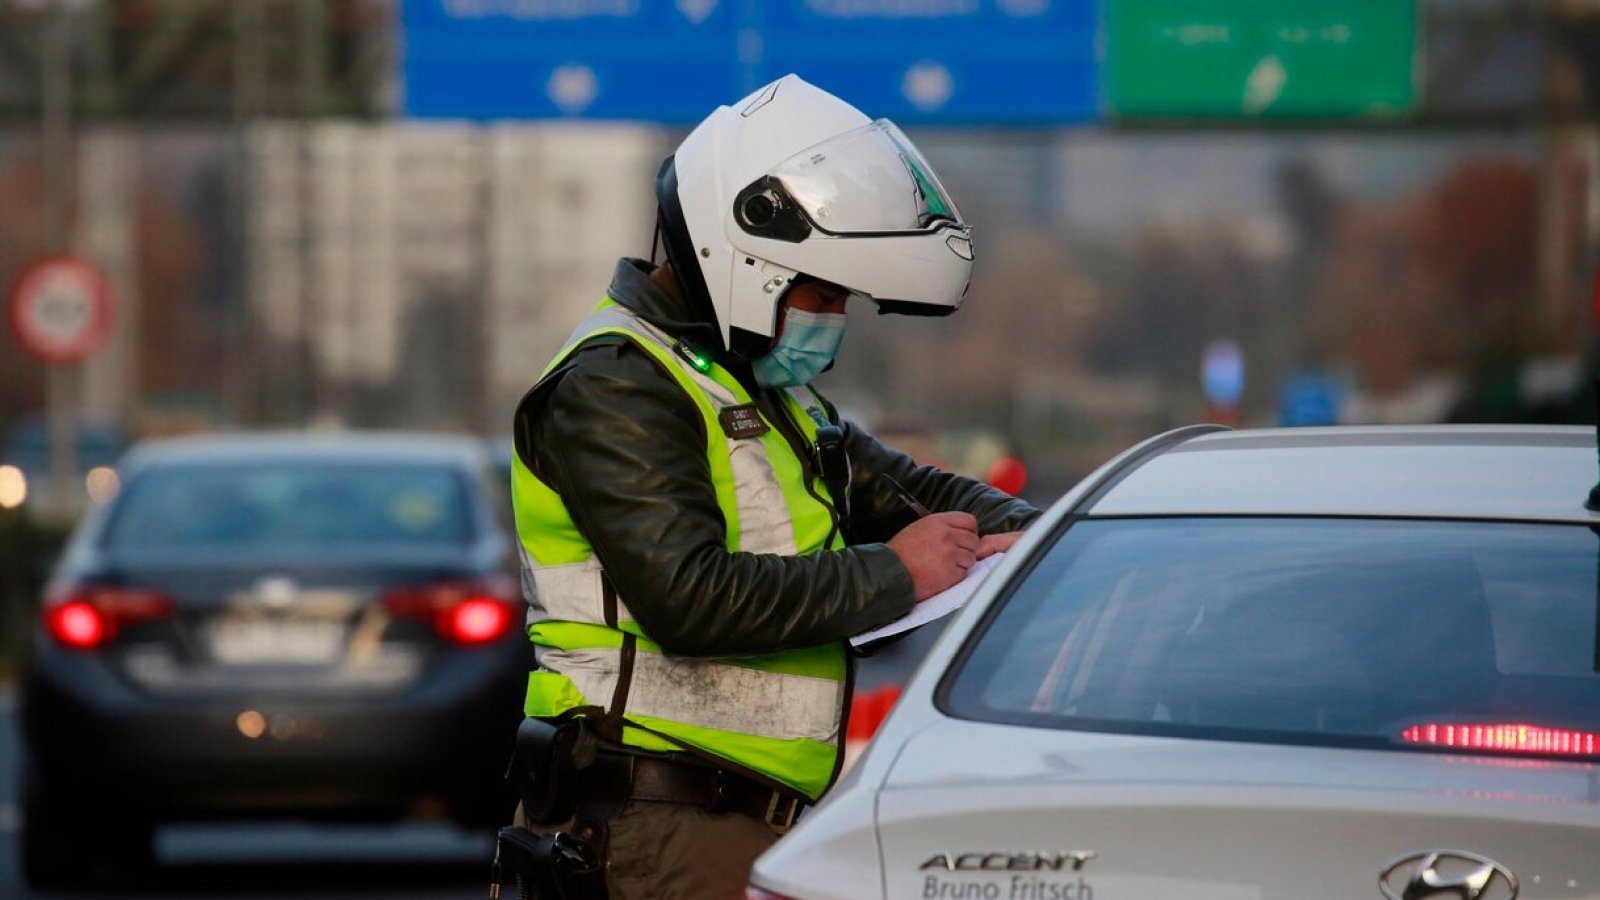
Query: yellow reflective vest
pixel 776 717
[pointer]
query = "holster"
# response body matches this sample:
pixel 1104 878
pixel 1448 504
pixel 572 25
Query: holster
pixel 544 766
pixel 549 866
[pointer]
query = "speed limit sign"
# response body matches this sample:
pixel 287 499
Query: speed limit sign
pixel 61 309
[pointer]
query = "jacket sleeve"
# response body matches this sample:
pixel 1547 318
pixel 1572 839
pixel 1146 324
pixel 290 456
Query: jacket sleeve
pixel 625 448
pixel 877 514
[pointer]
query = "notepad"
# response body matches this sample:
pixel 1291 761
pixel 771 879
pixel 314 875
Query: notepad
pixel 936 607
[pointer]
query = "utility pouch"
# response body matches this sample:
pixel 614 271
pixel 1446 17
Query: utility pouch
pixel 545 763
pixel 547 866
pixel 833 463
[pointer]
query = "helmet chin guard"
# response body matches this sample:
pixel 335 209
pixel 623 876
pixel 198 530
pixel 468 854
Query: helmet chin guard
pixel 792 180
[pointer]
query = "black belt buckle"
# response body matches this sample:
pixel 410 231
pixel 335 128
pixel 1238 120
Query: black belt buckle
pixel 781 812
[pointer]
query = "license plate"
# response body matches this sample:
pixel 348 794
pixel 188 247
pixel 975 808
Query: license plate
pixel 304 642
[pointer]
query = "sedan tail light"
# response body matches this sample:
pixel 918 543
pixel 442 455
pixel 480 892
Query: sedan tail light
pixel 468 613
pixel 90 616
pixel 1505 738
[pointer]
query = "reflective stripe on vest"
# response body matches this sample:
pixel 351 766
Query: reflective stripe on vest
pixel 777 715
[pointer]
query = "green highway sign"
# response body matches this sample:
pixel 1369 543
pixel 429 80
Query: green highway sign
pixel 1260 58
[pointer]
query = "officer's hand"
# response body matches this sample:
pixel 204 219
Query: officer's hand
pixel 937 550
pixel 997 543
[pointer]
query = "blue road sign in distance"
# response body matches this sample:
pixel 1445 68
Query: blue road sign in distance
pixel 652 60
pixel 937 61
pixel 916 61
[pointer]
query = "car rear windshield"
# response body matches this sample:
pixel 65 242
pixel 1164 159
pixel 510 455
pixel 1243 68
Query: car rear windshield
pixel 302 504
pixel 1431 634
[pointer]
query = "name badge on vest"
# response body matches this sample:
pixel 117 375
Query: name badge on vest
pixel 740 422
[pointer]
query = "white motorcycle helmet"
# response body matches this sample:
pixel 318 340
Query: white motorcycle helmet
pixel 790 181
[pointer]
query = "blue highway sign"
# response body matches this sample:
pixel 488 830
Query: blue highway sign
pixel 540 59
pixel 936 61
pixel 916 61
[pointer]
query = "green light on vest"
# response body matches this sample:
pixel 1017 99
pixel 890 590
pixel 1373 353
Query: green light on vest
pixel 693 357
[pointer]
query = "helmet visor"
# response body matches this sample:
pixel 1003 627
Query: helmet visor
pixel 870 180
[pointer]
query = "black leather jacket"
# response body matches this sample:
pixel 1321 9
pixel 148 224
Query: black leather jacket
pixel 618 439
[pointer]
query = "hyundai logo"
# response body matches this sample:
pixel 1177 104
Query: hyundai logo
pixel 1447 875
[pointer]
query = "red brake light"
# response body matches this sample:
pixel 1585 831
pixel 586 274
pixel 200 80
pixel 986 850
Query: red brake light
pixel 77 624
pixel 478 620
pixel 1506 738
pixel 91 616
pixel 465 613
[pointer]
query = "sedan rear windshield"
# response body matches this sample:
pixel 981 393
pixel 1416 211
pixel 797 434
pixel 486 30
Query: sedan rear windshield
pixel 300 504
pixel 1430 634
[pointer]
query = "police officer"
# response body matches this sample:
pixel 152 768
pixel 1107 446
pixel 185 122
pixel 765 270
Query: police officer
pixel 701 533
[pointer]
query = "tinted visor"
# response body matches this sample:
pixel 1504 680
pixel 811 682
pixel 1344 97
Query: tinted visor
pixel 871 180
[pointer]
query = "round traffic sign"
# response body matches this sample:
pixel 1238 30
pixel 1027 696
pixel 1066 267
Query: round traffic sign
pixel 61 309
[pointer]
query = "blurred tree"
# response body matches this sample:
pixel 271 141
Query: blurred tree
pixel 1372 309
pixel 1195 280
pixel 1031 311
pixel 1477 239
pixel 1310 203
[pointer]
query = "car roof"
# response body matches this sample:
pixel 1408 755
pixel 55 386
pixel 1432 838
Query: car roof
pixel 396 446
pixel 1517 472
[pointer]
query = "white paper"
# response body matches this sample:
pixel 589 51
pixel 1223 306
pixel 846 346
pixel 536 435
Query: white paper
pixel 939 605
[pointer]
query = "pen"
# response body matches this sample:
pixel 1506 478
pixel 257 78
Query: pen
pixel 905 497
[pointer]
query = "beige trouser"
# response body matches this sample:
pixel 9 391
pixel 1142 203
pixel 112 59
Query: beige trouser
pixel 669 851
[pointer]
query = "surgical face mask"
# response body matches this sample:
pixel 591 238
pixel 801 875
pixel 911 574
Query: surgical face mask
pixel 808 344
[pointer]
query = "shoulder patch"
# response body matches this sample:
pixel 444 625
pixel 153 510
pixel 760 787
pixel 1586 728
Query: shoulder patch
pixel 742 421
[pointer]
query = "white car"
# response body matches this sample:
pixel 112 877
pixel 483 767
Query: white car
pixel 1313 663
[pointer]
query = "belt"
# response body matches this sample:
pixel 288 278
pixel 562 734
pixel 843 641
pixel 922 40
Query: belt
pixel 617 777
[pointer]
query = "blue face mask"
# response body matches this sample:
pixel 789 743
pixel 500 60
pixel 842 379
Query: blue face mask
pixel 808 344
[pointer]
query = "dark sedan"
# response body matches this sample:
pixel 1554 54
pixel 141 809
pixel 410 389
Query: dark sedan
pixel 274 626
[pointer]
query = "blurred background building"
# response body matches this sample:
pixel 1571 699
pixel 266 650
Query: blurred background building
pixel 305 226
